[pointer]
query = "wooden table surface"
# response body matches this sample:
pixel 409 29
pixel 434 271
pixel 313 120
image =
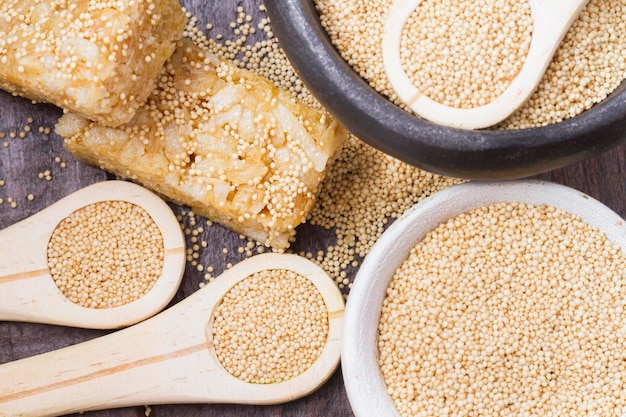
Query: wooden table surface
pixel 23 159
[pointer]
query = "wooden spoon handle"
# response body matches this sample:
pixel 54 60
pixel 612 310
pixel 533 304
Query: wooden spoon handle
pixel 23 248
pixel 153 361
pixel 25 282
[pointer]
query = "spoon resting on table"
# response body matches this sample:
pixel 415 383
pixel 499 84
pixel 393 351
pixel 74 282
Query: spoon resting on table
pixel 28 291
pixel 551 21
pixel 171 357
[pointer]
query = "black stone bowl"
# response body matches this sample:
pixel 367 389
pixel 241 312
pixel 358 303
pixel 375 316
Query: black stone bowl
pixel 471 154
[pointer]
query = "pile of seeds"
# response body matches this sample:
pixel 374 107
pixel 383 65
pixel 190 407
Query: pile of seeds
pixel 507 310
pixel 270 327
pixel 363 191
pixel 106 254
pixel 464 53
pixel 589 65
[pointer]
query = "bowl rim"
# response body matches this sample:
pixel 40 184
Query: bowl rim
pixel 363 381
pixel 471 154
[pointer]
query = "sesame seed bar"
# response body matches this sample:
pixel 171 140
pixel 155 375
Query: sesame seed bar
pixel 94 57
pixel 221 140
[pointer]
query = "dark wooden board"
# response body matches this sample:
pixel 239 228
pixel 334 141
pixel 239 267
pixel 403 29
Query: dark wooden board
pixel 23 159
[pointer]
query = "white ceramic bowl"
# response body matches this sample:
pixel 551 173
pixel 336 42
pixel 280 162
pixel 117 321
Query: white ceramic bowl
pixel 366 390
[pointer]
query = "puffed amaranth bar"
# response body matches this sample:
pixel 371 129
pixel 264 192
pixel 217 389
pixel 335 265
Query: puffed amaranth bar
pixel 97 58
pixel 221 140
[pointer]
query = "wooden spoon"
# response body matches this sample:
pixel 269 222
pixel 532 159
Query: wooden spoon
pixel 551 21
pixel 27 290
pixel 167 359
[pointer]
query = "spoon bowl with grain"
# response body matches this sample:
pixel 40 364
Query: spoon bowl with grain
pixel 106 256
pixel 550 22
pixel 200 350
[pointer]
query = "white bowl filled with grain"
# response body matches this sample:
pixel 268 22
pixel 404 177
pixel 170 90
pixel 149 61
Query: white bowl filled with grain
pixel 491 299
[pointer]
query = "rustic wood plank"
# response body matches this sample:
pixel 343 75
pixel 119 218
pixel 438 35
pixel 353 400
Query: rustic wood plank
pixel 21 162
pixel 24 159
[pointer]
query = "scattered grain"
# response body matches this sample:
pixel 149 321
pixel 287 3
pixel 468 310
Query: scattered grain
pixel 360 195
pixel 47 175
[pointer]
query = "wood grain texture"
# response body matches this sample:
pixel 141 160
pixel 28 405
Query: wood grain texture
pixel 23 159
